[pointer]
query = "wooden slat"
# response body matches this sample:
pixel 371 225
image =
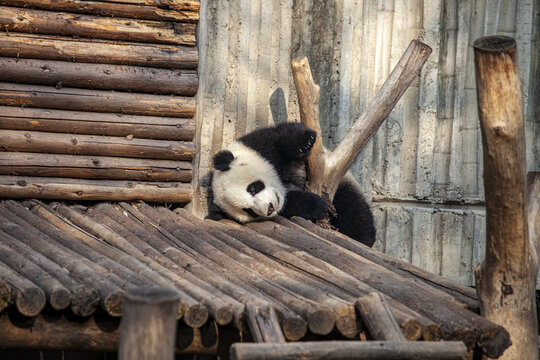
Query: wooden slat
pixel 18 187
pixel 95 167
pixel 95 100
pixel 92 123
pixel 98 27
pixel 99 76
pixel 192 5
pixel 108 8
pixel 97 51
pixel 33 141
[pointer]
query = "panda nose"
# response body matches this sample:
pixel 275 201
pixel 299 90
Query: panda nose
pixel 270 209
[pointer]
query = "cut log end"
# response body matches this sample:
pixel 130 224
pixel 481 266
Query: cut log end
pixel 196 315
pixel 84 301
pixel 60 299
pixel 113 303
pixel 494 341
pixel 495 43
pixel 432 333
pixel 412 329
pixel 31 301
pixel 224 316
pixel 294 328
pixel 321 322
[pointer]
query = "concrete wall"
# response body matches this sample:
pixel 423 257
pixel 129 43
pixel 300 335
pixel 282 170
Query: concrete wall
pixel 423 169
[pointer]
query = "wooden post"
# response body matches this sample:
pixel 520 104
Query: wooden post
pixel 378 318
pixel 506 279
pixel 148 327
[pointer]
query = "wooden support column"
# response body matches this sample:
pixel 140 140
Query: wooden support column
pixel 148 327
pixel 506 279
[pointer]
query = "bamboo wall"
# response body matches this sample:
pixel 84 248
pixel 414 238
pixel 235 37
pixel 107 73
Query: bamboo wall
pixel 97 99
pixel 422 170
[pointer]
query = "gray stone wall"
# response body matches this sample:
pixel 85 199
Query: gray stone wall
pixel 422 171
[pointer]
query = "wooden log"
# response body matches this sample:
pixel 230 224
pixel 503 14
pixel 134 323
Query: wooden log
pixel 148 327
pixel 86 123
pixel 99 76
pixel 533 209
pixel 460 293
pixel 56 294
pixel 506 278
pixel 97 51
pixel 5 295
pixel 29 299
pixel 455 321
pixel 95 167
pixel 84 299
pixel 378 318
pixel 294 327
pixel 36 141
pixel 344 350
pixel 98 27
pixel 17 187
pixel 112 9
pixel 192 5
pixel 325 170
pixel 263 324
pixel 195 297
pixel 95 100
pixel 320 318
pixel 104 282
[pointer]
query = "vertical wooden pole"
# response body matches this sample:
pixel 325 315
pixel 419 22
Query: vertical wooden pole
pixel 506 279
pixel 148 326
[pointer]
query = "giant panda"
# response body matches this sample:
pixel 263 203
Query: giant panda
pixel 263 174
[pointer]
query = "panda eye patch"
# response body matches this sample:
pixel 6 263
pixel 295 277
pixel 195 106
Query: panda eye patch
pixel 255 187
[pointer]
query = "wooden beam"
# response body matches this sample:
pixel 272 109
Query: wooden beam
pixel 506 279
pixel 28 298
pixel 95 100
pixel 99 76
pixel 192 5
pixel 349 350
pixel 95 27
pixel 263 324
pixel 533 209
pixel 54 47
pixel 378 318
pixel 109 8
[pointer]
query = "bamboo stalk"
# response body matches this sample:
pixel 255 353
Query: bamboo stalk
pixel 95 167
pixel 97 51
pixel 16 187
pixel 505 280
pixel 95 100
pixel 28 298
pixel 99 27
pixel 99 76
pixel 82 122
pixel 112 9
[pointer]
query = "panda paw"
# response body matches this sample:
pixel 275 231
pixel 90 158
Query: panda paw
pixel 295 140
pixel 304 204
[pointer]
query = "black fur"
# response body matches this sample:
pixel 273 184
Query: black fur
pixel 305 204
pixel 222 160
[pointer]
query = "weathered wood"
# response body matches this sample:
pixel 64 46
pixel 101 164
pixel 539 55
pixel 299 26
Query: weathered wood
pixel 104 282
pixel 56 294
pixel 294 327
pixel 263 324
pixel 5 295
pixel 97 51
pixel 84 299
pixel 28 298
pixel 320 318
pixel 35 141
pixel 95 100
pixel 344 350
pixel 86 123
pixel 460 293
pixel 148 326
pixel 533 209
pixel 325 170
pixel 95 167
pixel 17 187
pixel 106 8
pixel 99 27
pixel 192 5
pixel 99 76
pixel 456 322
pixel 378 318
pixel 506 278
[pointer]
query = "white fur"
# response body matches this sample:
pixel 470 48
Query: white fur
pixel 230 187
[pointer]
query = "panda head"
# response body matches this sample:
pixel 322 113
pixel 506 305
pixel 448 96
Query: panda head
pixel 245 185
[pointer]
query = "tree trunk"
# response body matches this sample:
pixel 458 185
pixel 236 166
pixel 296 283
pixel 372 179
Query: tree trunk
pixel 506 279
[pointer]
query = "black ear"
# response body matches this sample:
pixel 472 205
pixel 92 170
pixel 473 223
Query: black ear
pixel 222 160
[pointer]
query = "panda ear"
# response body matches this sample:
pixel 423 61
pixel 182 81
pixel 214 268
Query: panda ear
pixel 223 159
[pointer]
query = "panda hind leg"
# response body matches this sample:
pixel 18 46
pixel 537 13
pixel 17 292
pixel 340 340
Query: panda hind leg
pixel 354 216
pixel 304 204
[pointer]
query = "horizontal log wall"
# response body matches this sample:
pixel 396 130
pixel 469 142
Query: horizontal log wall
pixel 101 91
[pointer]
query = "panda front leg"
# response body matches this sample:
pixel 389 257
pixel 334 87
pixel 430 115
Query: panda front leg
pixel 295 140
pixel 304 204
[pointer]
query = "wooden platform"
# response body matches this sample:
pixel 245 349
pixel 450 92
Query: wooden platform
pixel 64 269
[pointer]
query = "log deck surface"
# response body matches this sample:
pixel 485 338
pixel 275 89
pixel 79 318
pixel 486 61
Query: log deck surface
pixel 90 255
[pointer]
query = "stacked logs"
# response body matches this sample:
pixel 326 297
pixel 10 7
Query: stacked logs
pixel 106 90
pixel 285 280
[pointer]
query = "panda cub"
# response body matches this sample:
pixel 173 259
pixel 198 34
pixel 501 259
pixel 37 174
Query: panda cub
pixel 263 174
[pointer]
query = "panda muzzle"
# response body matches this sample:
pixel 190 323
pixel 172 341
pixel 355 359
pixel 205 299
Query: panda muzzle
pixel 270 209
